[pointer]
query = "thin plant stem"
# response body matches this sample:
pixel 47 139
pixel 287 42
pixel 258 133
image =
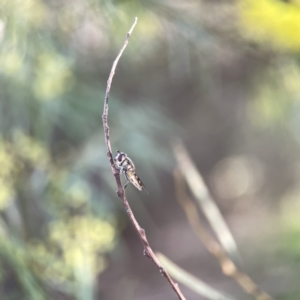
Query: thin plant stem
pixel 120 192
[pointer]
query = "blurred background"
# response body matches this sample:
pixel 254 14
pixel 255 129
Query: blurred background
pixel 224 76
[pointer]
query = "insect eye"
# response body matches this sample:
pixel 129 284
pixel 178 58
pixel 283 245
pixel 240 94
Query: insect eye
pixel 120 157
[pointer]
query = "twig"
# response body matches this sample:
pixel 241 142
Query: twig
pixel 227 265
pixel 121 193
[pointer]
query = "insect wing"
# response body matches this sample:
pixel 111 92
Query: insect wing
pixel 136 181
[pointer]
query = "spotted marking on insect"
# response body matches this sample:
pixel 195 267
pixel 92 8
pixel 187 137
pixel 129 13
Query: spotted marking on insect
pixel 126 166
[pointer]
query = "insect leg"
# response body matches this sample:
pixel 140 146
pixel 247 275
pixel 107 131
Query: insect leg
pixel 122 170
pixel 125 185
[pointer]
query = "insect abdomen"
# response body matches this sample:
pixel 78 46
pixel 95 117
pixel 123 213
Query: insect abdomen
pixel 134 179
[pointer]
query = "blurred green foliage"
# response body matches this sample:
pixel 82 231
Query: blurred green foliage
pixel 57 225
pixel 277 95
pixel 59 216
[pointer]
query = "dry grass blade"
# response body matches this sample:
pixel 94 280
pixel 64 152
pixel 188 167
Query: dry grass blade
pixel 191 281
pixel 227 265
pixel 205 200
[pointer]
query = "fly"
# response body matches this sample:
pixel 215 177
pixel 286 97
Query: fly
pixel 126 166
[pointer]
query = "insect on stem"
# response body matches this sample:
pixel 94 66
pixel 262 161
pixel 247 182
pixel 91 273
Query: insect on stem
pixel 126 166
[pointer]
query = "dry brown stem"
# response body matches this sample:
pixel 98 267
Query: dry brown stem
pixel 120 192
pixel 227 265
